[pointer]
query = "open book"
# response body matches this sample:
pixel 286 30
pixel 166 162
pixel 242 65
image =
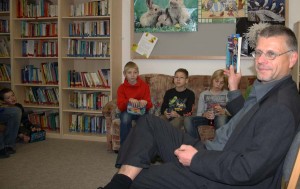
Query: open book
pixel 233 52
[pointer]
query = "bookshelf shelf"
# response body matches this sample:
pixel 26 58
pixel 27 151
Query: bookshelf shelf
pixel 85 17
pixel 86 58
pixel 4 13
pixel 36 38
pixel 40 106
pixel 5 82
pixel 36 19
pixel 87 89
pixel 83 111
pixel 36 85
pixel 39 57
pixel 89 38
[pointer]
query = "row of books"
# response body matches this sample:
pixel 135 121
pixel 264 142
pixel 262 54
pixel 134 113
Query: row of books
pixel 90 28
pixel 86 48
pixel 47 74
pixel 36 8
pixel 93 8
pixel 4 46
pixel 86 123
pixel 88 100
pixel 41 95
pixel 38 29
pixel 47 120
pixel 4 5
pixel 4 26
pixel 5 72
pixel 101 78
pixel 40 48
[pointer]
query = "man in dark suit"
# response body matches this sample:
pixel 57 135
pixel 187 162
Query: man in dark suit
pixel 248 153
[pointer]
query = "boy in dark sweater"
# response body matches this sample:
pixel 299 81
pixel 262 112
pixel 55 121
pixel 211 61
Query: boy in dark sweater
pixel 178 101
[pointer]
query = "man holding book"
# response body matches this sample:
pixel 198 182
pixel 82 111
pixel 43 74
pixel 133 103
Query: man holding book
pixel 262 126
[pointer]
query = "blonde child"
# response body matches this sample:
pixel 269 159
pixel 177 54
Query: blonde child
pixel 133 91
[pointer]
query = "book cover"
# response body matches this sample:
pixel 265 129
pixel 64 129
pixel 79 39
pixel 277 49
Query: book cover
pixel 135 110
pixel 233 52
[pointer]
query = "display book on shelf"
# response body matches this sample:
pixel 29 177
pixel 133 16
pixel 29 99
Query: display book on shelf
pixel 36 41
pixel 88 38
pixel 233 52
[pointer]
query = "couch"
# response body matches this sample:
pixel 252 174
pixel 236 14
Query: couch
pixel 158 84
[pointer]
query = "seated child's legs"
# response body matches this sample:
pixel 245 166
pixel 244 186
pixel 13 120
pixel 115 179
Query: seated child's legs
pixel 221 120
pixel 11 116
pixel 191 125
pixel 177 122
pixel 126 124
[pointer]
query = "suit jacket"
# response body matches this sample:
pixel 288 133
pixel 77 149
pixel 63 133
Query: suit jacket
pixel 255 152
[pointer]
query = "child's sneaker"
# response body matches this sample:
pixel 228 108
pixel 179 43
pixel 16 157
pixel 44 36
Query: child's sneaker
pixel 10 150
pixel 3 154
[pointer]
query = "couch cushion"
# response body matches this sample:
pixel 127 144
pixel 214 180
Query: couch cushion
pixel 158 84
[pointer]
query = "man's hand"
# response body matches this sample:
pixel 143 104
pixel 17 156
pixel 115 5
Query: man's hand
pixel 233 78
pixel 185 154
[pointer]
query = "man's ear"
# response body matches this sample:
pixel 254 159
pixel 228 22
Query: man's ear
pixel 293 59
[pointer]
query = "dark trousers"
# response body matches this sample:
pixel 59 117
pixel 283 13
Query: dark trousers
pixel 154 136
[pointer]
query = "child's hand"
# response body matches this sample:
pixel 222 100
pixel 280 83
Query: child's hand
pixel 209 114
pixel 174 114
pixel 219 110
pixel 143 103
pixel 26 139
pixel 134 102
pixel 167 114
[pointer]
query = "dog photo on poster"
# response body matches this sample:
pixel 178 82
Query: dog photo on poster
pixel 165 15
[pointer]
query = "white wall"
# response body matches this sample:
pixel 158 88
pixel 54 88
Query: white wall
pixel 195 67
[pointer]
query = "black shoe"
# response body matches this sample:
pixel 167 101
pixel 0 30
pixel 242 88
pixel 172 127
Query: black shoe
pixel 100 187
pixel 10 150
pixel 3 154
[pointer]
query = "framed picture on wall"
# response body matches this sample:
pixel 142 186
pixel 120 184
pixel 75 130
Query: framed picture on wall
pixel 266 10
pixel 165 16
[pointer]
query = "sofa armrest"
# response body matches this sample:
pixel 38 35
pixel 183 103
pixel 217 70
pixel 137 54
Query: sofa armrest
pixel 109 110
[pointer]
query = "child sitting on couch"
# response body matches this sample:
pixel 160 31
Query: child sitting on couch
pixel 134 92
pixel 26 127
pixel 178 102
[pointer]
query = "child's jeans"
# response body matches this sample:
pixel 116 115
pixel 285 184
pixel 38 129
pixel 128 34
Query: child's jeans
pixel 126 124
pixel 191 123
pixel 11 117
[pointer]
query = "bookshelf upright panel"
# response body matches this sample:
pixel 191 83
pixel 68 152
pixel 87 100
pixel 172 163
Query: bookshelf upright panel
pixel 296 68
pixel 5 46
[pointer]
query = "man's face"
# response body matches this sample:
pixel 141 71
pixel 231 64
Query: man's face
pixel 270 70
pixel 10 98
